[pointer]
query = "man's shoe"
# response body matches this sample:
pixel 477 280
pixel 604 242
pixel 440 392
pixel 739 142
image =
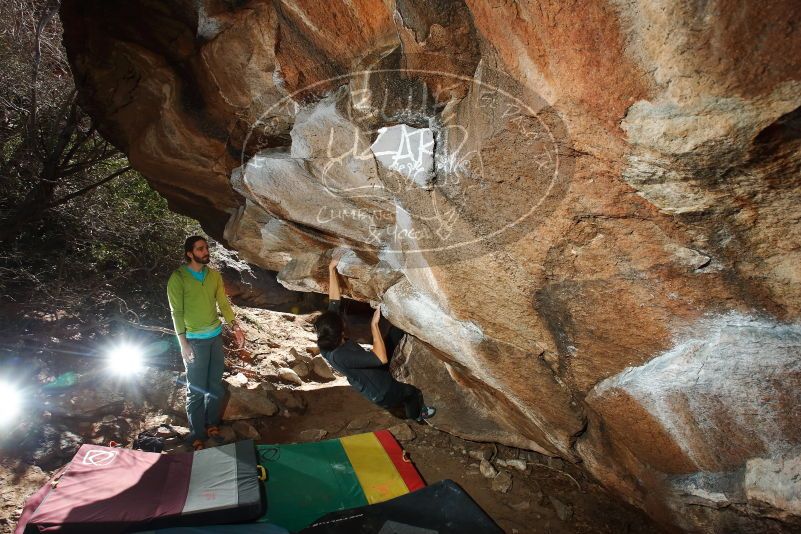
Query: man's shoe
pixel 426 413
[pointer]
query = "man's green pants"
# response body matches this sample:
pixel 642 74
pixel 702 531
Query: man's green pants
pixel 204 389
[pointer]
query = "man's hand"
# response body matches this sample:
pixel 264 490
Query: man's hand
pixel 187 353
pixel 239 336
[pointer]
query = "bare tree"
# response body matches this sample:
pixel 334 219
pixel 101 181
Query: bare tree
pixel 51 146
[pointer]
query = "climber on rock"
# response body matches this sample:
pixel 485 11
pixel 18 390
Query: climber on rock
pixel 366 370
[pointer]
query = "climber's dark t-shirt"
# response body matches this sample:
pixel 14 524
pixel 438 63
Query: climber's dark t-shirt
pixel 361 367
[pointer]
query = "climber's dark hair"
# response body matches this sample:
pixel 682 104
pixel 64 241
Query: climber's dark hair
pixel 329 329
pixel 189 244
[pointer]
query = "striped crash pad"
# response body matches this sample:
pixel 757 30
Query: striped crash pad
pixel 441 508
pixel 108 490
pixel 308 480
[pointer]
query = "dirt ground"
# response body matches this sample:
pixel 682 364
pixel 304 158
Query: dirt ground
pixel 546 496
pixel 528 507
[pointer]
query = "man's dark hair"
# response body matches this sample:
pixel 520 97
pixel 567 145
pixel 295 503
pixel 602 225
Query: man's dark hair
pixel 329 329
pixel 189 244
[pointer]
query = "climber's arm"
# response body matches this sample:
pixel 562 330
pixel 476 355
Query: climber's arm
pixel 333 280
pixel 379 349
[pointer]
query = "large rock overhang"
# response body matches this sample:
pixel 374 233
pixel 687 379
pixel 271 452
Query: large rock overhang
pixel 667 246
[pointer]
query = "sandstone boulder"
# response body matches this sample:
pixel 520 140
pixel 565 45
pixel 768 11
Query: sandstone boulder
pixel 289 375
pixel 248 285
pixel 244 403
pixel 321 369
pixel 245 430
pixel 302 370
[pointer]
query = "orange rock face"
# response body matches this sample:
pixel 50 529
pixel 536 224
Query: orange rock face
pixel 587 215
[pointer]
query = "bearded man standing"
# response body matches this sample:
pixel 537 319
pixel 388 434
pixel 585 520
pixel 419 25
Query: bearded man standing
pixel 195 293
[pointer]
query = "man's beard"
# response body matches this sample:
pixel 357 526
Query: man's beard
pixel 201 259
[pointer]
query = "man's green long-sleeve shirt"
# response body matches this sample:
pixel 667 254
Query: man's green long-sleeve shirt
pixel 193 304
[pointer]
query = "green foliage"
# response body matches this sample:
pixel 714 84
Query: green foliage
pixel 108 251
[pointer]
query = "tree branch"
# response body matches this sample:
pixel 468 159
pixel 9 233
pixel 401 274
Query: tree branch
pixel 47 16
pixel 89 187
pixel 75 146
pixel 139 326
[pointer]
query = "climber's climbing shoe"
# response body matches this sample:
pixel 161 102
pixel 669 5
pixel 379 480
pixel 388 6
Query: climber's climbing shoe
pixel 426 413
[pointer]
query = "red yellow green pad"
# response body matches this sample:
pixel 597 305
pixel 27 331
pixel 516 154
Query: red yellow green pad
pixel 308 480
